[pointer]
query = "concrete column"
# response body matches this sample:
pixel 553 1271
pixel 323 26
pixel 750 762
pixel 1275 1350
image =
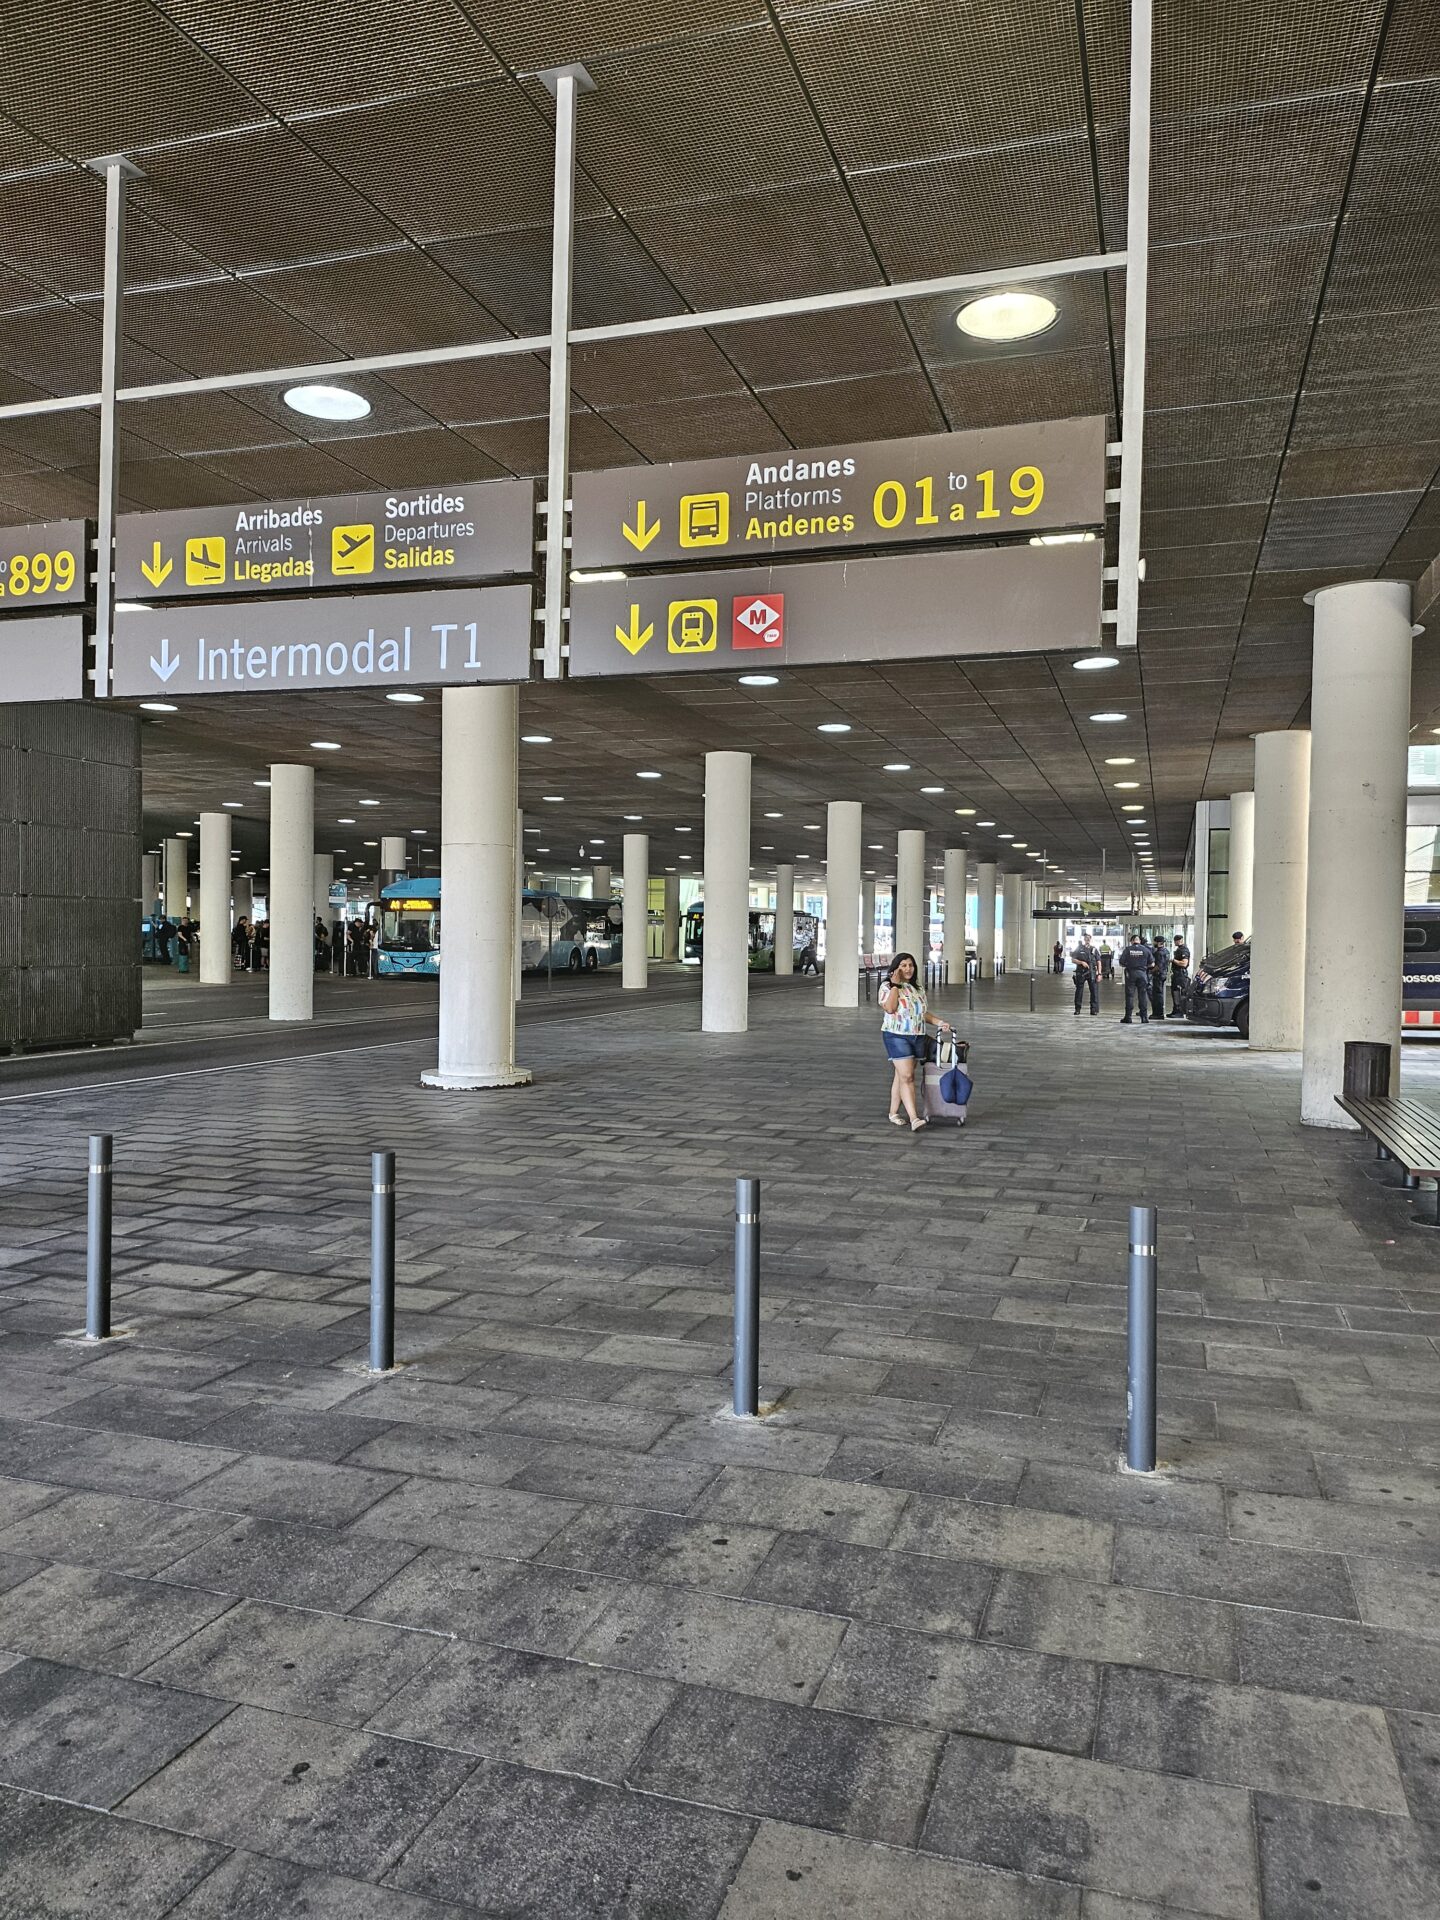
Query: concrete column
pixel 215 899
pixel 292 893
pixel 479 786
pixel 1242 861
pixel 842 904
pixel 867 916
pixel 177 877
pixel 985 919
pixel 725 981
pixel 242 897
pixel 393 861
pixel 1014 959
pixel 671 948
pixel 1026 930
pixel 635 930
pixel 1277 918
pixel 957 861
pixel 322 867
pixel 600 883
pixel 784 919
pixel 519 892
pixel 1355 887
pixel 910 894
pixel 149 882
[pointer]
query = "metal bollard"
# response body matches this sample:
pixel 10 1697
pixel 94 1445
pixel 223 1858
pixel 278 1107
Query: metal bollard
pixel 1140 1373
pixel 382 1262
pixel 1032 993
pixel 970 994
pixel 97 1239
pixel 747 1297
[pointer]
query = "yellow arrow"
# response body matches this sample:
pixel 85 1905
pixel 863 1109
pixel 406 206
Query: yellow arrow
pixel 634 640
pixel 152 569
pixel 641 534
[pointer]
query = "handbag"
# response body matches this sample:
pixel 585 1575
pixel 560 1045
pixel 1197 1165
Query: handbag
pixel 956 1086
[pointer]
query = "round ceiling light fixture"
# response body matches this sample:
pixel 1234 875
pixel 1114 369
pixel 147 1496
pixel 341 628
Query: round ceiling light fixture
pixel 407 699
pixel 1108 719
pixel 1007 316
pixel 759 679
pixel 536 739
pixel 1095 662
pixel 833 726
pixel 327 403
pixel 159 706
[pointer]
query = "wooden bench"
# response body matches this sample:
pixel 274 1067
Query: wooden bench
pixel 1405 1131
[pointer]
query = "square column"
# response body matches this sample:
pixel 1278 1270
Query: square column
pixel 985 920
pixel 842 904
pixel 725 970
pixel 292 893
pixel 635 926
pixel 479 805
pixel 785 919
pixel 215 899
pixel 910 895
pixel 1277 915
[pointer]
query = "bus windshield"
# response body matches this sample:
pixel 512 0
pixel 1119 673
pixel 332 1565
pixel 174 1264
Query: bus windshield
pixel 411 926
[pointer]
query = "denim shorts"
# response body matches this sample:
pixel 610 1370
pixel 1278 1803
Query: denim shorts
pixel 904 1046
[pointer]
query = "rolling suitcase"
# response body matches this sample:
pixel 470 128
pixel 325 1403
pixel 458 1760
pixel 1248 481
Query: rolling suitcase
pixel 950 1055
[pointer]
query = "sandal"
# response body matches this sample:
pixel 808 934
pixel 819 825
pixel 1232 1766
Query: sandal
pixel 916 1125
pixel 896 1120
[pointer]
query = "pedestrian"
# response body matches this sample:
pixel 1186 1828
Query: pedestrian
pixel 1107 961
pixel 1086 962
pixel 1179 976
pixel 1057 956
pixel 240 943
pixel 1135 962
pixel 905 1018
pixel 1237 939
pixel 1159 974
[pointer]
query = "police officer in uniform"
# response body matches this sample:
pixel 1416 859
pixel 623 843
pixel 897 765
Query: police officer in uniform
pixel 1159 974
pixel 1179 976
pixel 1135 962
pixel 1086 962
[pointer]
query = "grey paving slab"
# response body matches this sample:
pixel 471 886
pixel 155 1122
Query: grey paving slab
pixel 491 1520
pixel 292 1433
pixel 1334 1863
pixel 310 1491
pixel 1229 1570
pixel 60 1862
pixel 768 1443
pixel 538 1609
pixel 1340 1660
pixel 1334 1526
pixel 629 1544
pixel 842 1510
pixel 1140 1501
pixel 249 1887
pixel 447 1453
pixel 961 1475
pixel 559 1715
pixel 91 1737
pixel 779 1653
pixel 1027 1539
pixel 294 1566
pixel 515 1842
pixel 870 1583
pixel 1250 1737
pixel 1393 1594
pixel 831 1770
pixel 101 1620
pixel 1417 1748
pixel 19 1498
pixel 797 1873
pixel 131 1463
pixel 105 1530
pixel 1057 1817
pixel 1055 1613
pixel 587 1472
pixel 303 1791
pixel 1000 1693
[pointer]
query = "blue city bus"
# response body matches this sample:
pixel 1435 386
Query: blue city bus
pixel 557 931
pixel 762 939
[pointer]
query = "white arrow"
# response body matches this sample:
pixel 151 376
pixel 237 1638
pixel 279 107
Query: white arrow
pixel 164 666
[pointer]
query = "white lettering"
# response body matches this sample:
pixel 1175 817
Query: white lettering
pixel 332 665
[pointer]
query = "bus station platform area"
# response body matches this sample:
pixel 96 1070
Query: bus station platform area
pixel 532 1625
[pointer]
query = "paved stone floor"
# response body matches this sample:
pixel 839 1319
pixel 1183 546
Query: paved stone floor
pixel 530 1627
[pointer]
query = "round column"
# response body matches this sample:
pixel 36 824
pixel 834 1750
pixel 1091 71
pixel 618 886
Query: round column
pixel 242 896
pixel 215 899
pixel 635 929
pixel 784 919
pixel 601 882
pixel 1010 897
pixel 1277 915
pixel 867 917
pixel 985 920
pixel 519 895
pixel 479 790
pixel 292 893
pixel 322 867
pixel 910 894
pixel 1242 861
pixel 671 947
pixel 149 882
pixel 842 904
pixel 957 861
pixel 1027 925
pixel 1355 885
pixel 177 878
pixel 725 973
pixel 393 861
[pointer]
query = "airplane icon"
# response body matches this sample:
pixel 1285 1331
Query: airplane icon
pixel 352 549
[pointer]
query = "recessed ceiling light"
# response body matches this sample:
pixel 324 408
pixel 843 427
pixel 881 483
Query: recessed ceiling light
pixel 372 843
pixel 1095 662
pixel 1004 836
pixel 1020 844
pixel 347 821
pixel 159 706
pixel 1126 786
pixel 932 789
pixel 984 823
pixel 607 573
pixel 596 842
pixel 966 811
pixel 1121 760
pixel 327 403
pixel 419 829
pixel 812 826
pixel 1106 719
pixel 624 816
pixel 326 746
pixel 1007 316
pixel 684 829
pixel 542 849
pixel 687 856
pixel 648 773
pixel 833 726
pixel 555 799
pixel 131 606
pixel 897 766
pixel 232 803
pixel 536 739
pixel 407 699
pixel 1060 540
pixel 1133 806
pixel 262 783
pixel 183 834
pixel 759 679
pixel 774 816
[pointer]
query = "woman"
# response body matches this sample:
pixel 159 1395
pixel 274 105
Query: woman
pixel 903 1031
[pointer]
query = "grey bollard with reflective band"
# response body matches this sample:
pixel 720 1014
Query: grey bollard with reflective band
pixel 97 1238
pixel 970 994
pixel 382 1262
pixel 1140 1380
pixel 1032 993
pixel 747 1297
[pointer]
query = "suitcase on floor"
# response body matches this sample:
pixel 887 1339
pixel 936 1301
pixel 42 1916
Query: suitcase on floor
pixel 949 1054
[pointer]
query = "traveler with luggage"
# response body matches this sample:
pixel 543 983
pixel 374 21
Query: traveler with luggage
pixel 1107 961
pixel 1135 962
pixel 905 1018
pixel 1086 962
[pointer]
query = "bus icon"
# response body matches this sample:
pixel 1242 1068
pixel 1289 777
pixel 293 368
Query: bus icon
pixel 693 626
pixel 704 519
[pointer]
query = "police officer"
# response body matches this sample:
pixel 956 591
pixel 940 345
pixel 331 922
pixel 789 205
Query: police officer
pixel 1179 975
pixel 1135 962
pixel 1086 962
pixel 1159 974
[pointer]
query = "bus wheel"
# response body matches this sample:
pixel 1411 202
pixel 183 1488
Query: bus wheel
pixel 574 960
pixel 592 960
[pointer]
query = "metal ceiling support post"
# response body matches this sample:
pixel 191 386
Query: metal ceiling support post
pixel 1137 278
pixel 565 83
pixel 115 170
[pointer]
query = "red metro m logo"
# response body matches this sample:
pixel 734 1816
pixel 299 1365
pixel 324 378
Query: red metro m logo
pixel 759 621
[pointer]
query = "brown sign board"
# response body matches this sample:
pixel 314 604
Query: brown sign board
pixel 410 536
pixel 43 566
pixel 42 659
pixel 939 487
pixel 840 612
pixel 456 636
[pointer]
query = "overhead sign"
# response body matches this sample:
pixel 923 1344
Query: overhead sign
pixel 406 537
pixel 463 635
pixel 42 566
pixel 936 487
pixel 821 613
pixel 42 659
pixel 338 893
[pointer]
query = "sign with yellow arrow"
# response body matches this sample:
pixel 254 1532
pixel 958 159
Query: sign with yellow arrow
pixel 633 637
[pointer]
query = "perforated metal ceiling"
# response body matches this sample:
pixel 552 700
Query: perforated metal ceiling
pixel 346 176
